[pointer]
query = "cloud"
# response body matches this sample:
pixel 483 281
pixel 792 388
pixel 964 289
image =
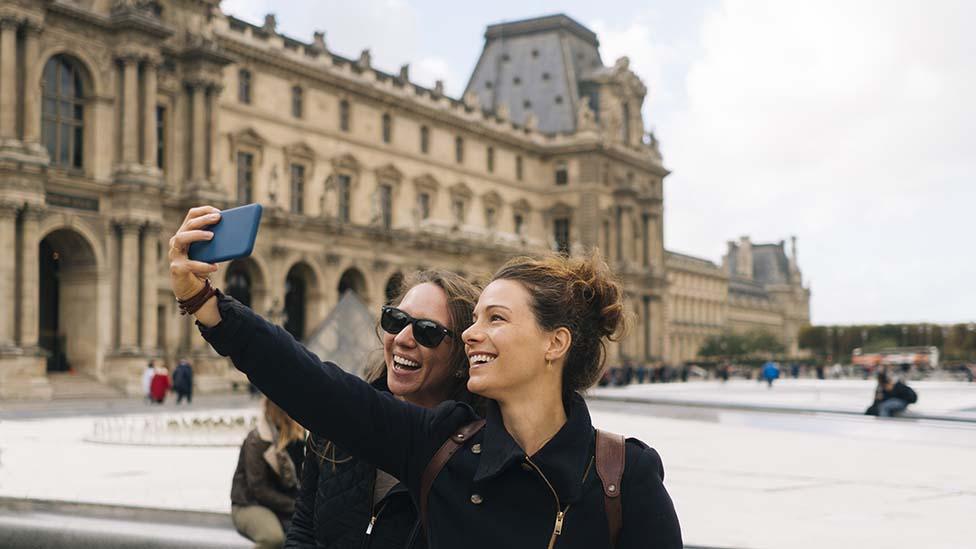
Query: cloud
pixel 846 123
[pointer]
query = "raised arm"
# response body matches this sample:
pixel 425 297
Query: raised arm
pixel 395 436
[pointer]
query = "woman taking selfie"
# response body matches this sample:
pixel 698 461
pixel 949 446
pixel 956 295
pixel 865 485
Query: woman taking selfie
pixel 530 477
pixel 347 503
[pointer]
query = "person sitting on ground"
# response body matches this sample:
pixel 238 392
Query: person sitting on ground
pixel 265 484
pixel 890 397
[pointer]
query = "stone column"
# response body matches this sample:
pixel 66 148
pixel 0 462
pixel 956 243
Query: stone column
pixel 8 237
pixel 149 114
pixel 30 278
pixel 130 110
pixel 198 92
pixel 32 88
pixel 129 288
pixel 8 79
pixel 646 314
pixel 150 237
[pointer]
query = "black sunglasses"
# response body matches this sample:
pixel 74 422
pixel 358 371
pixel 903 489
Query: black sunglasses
pixel 426 332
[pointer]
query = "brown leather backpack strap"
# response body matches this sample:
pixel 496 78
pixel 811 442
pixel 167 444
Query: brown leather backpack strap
pixel 441 457
pixel 610 458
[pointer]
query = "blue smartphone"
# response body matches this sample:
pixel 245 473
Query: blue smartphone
pixel 233 235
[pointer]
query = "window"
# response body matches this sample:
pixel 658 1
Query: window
pixel 527 104
pixel 387 128
pixel 606 240
pixel 519 222
pixel 424 139
pixel 245 178
pixel 344 115
pixel 490 159
pixel 516 81
pixel 244 86
pixel 297 188
pixel 63 114
pixel 423 205
pixel 386 206
pixel 297 102
pixel 457 208
pixel 459 150
pixel 562 173
pixel 559 100
pixel 160 137
pixel 490 217
pixel 343 192
pixel 545 76
pixel 561 233
pixel 626 125
pixel 518 167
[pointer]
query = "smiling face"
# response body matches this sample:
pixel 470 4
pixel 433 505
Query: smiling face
pixel 506 347
pixel 419 374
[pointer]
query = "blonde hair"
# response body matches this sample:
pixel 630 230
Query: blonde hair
pixel 288 430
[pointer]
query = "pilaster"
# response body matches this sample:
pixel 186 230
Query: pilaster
pixel 8 83
pixel 8 235
pixel 129 288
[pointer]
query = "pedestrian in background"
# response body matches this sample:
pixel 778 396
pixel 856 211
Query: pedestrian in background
pixel 159 385
pixel 265 484
pixel 183 381
pixel 147 377
pixel 770 372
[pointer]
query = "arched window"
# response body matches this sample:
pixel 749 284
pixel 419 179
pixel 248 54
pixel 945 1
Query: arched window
pixel 459 149
pixel 63 114
pixel 238 283
pixel 244 86
pixel 297 102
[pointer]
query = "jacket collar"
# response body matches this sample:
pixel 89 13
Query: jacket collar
pixel 563 460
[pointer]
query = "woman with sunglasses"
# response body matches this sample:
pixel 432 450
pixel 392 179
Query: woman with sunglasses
pixel 527 478
pixel 347 502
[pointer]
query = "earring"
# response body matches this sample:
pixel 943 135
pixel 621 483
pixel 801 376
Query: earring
pixel 549 364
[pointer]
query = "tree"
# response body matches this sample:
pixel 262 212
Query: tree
pixel 761 341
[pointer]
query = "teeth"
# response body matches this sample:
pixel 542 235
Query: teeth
pixel 405 362
pixel 481 359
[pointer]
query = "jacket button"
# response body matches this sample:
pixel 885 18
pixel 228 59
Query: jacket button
pixel 476 449
pixel 476 499
pixel 526 466
pixel 459 436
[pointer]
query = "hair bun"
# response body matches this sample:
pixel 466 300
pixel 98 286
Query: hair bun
pixel 600 294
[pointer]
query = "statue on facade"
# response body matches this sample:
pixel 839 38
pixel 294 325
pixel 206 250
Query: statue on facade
pixel 585 118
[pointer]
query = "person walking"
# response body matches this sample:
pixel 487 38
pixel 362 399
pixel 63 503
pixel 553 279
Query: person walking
pixel 265 482
pixel 159 385
pixel 891 397
pixel 770 373
pixel 346 502
pixel 535 464
pixel 147 377
pixel 183 382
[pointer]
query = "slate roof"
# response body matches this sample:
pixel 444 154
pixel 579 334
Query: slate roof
pixel 536 65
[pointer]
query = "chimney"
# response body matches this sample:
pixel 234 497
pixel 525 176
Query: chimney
pixel 743 264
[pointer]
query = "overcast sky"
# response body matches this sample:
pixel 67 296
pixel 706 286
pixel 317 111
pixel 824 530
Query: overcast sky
pixel 849 124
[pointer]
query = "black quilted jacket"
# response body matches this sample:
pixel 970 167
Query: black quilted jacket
pixel 335 507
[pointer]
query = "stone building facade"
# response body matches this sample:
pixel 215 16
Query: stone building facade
pixel 116 116
pixel 757 288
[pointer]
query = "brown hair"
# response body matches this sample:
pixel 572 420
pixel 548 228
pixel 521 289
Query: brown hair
pixel 580 294
pixel 462 296
pixel 288 430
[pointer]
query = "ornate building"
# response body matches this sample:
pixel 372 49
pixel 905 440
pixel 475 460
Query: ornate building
pixel 116 116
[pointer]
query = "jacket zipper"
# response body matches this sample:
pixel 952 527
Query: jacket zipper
pixel 560 512
pixel 372 518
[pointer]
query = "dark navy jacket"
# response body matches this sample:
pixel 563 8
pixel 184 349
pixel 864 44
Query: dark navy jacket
pixel 490 494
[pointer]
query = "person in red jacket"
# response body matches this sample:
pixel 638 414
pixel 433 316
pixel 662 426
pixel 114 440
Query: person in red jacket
pixel 159 385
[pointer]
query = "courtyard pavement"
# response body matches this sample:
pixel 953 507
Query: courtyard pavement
pixel 738 478
pixel 950 400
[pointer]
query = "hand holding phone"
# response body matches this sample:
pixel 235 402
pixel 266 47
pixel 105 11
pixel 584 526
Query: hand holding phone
pixel 233 236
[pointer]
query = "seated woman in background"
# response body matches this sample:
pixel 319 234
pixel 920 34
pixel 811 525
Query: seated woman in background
pixel 265 484
pixel 346 502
